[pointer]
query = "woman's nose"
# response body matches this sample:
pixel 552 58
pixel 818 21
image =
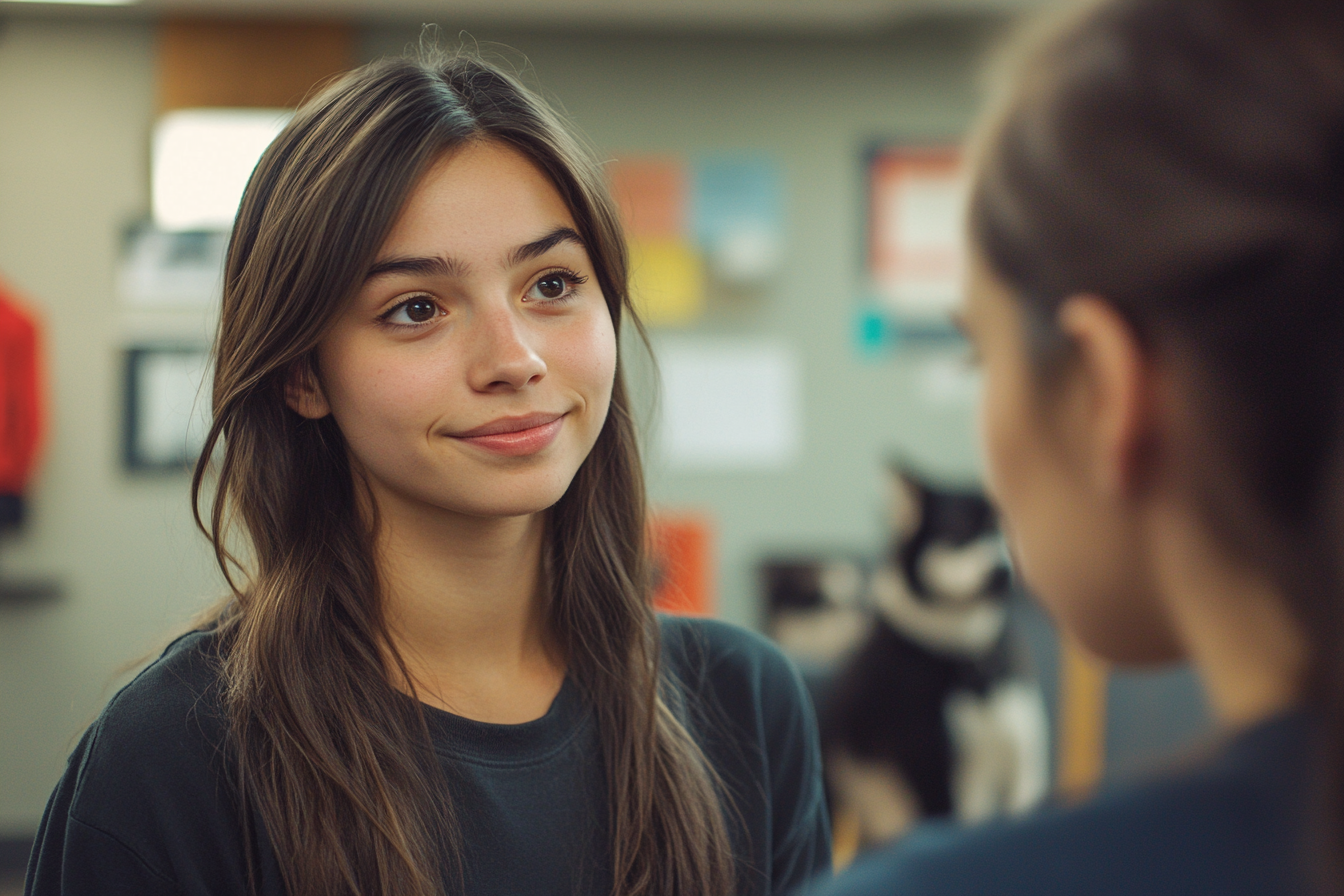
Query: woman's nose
pixel 503 354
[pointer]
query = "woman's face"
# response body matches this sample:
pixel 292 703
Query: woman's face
pixel 473 370
pixel 1075 542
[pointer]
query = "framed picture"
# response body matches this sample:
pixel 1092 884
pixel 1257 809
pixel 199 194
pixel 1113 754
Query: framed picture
pixel 916 247
pixel 167 407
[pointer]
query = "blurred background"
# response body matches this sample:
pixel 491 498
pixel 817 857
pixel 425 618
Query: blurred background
pixel 790 175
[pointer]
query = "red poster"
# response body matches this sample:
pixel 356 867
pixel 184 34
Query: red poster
pixel 20 391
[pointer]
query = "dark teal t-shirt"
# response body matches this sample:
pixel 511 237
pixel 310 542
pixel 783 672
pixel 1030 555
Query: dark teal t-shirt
pixel 145 806
pixel 1230 824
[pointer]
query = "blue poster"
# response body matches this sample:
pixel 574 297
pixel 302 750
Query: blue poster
pixel 736 213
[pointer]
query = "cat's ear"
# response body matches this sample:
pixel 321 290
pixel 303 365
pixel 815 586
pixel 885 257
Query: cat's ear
pixel 905 500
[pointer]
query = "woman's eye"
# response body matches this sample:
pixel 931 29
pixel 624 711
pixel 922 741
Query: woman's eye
pixel 551 287
pixel 554 286
pixel 415 311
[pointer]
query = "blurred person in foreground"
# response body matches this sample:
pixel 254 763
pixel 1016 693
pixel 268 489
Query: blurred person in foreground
pixel 1157 300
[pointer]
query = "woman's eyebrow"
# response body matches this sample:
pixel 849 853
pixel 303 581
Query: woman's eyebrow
pixel 425 266
pixel 446 266
pixel 531 250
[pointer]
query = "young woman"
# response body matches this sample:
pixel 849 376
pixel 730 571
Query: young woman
pixel 1158 304
pixel 438 671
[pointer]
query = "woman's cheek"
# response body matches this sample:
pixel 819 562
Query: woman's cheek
pixel 374 396
pixel 588 356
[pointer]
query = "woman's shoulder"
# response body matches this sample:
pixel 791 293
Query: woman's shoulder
pixel 742 670
pixel 158 734
pixel 172 704
pixel 693 644
pixel 1228 826
pixel 747 705
pixel 145 790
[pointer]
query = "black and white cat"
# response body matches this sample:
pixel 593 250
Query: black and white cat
pixel 929 715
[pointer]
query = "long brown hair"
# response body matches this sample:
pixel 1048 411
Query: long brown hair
pixel 332 759
pixel 1185 160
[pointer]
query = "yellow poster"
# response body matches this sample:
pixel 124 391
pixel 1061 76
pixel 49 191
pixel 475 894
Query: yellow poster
pixel 667 281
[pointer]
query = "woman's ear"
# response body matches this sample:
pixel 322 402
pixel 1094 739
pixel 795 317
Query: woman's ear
pixel 303 390
pixel 1119 411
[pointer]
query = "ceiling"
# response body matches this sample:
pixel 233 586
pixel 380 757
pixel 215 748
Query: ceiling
pixel 855 16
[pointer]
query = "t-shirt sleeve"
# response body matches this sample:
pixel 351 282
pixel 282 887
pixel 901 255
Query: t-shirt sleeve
pixel 145 804
pixel 73 858
pixel 802 830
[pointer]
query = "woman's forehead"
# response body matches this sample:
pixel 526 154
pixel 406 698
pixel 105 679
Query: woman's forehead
pixel 485 200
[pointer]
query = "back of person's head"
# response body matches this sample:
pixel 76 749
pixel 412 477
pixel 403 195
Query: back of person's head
pixel 1184 160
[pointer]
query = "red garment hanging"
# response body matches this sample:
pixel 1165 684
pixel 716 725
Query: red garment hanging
pixel 21 416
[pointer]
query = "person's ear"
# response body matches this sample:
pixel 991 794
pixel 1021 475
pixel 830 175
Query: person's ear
pixel 1119 407
pixel 303 390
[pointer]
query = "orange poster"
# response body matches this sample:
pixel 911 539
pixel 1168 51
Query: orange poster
pixel 681 547
pixel 651 191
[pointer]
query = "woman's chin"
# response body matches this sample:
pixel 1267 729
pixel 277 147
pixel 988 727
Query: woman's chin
pixel 504 503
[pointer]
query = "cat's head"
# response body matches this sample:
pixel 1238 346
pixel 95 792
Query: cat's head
pixel 945 541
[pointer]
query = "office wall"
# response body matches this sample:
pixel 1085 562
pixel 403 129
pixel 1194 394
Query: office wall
pixel 75 112
pixel 76 106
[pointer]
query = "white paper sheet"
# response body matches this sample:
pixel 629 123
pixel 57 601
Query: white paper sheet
pixel 917 250
pixel 729 404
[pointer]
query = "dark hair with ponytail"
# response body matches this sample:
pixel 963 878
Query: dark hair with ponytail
pixel 1184 159
pixel 331 758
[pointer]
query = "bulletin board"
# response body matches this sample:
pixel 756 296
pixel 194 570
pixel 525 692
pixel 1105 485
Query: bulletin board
pixel 698 229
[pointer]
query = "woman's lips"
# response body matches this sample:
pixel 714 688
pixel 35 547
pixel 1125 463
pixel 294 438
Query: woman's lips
pixel 515 437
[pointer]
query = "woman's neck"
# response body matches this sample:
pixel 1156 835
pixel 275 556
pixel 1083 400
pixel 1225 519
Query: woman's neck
pixel 1238 629
pixel 463 600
